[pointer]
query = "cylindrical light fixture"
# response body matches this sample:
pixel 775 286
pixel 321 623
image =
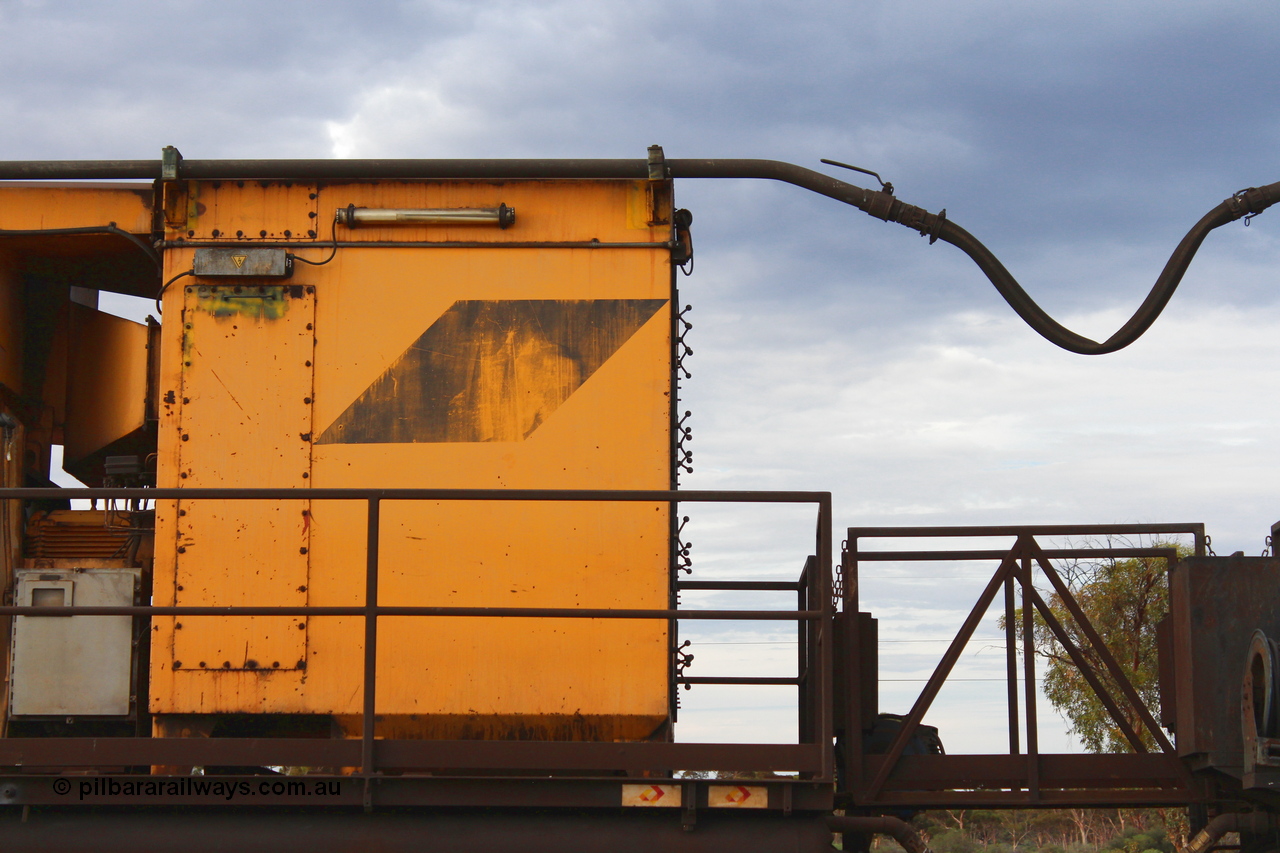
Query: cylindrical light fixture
pixel 353 217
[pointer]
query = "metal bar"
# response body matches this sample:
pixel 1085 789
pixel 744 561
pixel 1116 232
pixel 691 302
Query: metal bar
pixel 463 754
pixel 532 830
pixel 825 631
pixel 1021 529
pixel 1117 674
pixel 726 679
pixel 1082 798
pixel 370 638
pixel 854 723
pixel 309 243
pixel 513 169
pixel 1011 663
pixel 804 694
pixel 1099 689
pixel 1051 553
pixel 622 495
pixel 481 612
pixel 1029 673
pixel 939 676
pixel 1074 770
pixel 757 586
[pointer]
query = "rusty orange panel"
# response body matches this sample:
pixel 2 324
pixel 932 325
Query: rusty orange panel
pixel 464 368
pixel 106 381
pixel 245 412
pixel 546 211
pixel 242 210
pixel 49 205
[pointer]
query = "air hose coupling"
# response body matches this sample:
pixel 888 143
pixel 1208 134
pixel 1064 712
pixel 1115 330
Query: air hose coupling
pixel 918 219
pixel 1252 201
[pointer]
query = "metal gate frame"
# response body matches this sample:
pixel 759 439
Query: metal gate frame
pixel 1016 779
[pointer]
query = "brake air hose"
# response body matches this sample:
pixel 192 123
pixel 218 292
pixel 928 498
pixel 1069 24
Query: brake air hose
pixel 1248 202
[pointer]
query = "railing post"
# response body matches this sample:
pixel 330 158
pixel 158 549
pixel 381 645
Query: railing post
pixel 825 632
pixel 370 644
pixel 1029 675
pixel 1011 661
pixel 805 636
pixel 852 701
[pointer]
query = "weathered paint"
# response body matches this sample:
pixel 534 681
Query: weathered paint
pixel 565 679
pixel 26 207
pixel 245 404
pixel 267 302
pixel 244 210
pixel 106 382
pixel 490 370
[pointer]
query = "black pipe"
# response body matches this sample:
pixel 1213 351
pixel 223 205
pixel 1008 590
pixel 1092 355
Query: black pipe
pixel 1257 823
pixel 878 203
pixel 901 831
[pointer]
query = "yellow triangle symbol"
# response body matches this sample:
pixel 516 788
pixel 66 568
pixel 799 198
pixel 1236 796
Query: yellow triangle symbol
pixel 239 260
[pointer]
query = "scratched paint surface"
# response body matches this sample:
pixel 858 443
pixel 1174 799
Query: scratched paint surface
pixel 562 679
pixel 490 370
pixel 245 409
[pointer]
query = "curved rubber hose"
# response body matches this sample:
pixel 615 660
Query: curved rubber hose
pixel 1053 331
pixel 1248 202
pixel 936 226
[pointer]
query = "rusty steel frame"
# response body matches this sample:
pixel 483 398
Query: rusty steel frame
pixel 1019 779
pixel 812 758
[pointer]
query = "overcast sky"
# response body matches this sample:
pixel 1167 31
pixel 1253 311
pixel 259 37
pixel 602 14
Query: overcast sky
pixel 1078 139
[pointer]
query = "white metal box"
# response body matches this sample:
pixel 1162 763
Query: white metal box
pixel 73 665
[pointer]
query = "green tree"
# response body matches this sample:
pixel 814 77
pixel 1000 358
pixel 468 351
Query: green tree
pixel 1123 600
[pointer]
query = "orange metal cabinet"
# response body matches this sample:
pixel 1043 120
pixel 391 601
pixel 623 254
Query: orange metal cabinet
pixel 482 365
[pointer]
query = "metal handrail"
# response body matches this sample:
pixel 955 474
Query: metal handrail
pixel 371 610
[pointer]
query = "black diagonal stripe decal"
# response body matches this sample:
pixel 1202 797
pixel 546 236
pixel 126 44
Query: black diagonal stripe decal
pixel 490 370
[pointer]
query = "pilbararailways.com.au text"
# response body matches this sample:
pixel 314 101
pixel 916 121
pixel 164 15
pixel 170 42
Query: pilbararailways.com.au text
pixel 196 786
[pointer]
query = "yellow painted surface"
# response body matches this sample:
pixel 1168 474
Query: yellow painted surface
pixel 246 405
pixel 47 205
pixel 568 362
pixel 243 210
pixel 106 381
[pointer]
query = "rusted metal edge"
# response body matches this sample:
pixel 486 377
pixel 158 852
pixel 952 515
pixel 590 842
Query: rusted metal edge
pixel 395 610
pixel 932 781
pixel 658 495
pixel 465 754
pixel 906 532
pixel 750 586
pixel 1052 553
pixel 420 244
pixel 249 831
pixel 422 791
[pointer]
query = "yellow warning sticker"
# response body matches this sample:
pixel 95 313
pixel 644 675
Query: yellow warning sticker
pixel 239 260
pixel 737 797
pixel 651 795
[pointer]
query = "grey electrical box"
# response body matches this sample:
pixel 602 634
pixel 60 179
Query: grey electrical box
pixel 69 666
pixel 242 262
